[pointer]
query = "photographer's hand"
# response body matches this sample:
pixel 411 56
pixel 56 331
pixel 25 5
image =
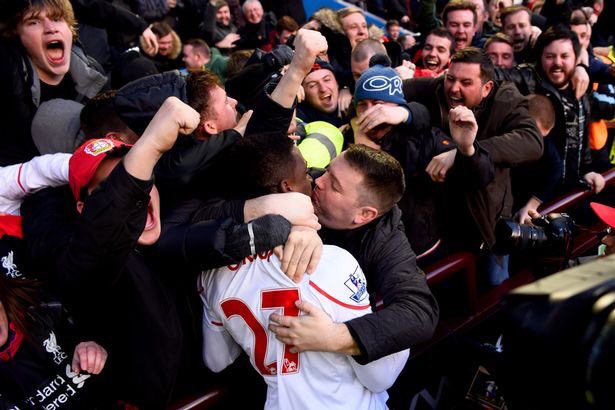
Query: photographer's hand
pixel 534 214
pixel 529 211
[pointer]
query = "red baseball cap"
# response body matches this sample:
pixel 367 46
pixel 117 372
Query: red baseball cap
pixel 85 161
pixel 606 213
pixel 320 64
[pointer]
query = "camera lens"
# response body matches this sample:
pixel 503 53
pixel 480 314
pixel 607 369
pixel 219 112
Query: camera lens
pixel 514 236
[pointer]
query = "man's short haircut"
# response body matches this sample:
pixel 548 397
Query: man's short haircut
pixel 509 11
pixel 578 19
pixel 383 178
pixel 455 5
pixel 16 10
pixel 498 38
pixel 473 55
pixel 286 23
pixel 391 23
pixel 541 110
pixel 237 62
pixel 219 4
pixel 366 49
pixel 199 86
pixel 247 3
pixel 401 38
pixel 161 28
pixel 553 33
pixel 443 33
pixel 199 45
pixel 99 117
pixel 347 11
pixel 266 160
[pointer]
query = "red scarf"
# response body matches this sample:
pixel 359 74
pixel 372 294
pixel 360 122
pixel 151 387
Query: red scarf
pixel 13 346
pixel 10 225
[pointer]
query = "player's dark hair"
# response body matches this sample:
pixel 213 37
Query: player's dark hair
pixel 262 161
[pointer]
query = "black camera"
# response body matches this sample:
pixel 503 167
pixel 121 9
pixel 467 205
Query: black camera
pixel 551 233
pixel 559 341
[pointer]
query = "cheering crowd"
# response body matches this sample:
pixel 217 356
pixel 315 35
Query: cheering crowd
pixel 185 181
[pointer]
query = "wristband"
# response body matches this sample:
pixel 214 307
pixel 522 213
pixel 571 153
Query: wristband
pixel 251 234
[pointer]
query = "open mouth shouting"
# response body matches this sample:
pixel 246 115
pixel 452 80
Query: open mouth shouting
pixel 151 230
pixel 455 100
pixel 518 43
pixel 327 102
pixel 55 52
pixel 557 75
pixel 461 41
pixel 48 42
pixel 151 221
pixel 431 63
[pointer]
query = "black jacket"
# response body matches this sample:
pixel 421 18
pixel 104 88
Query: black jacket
pixel 114 292
pixel 410 312
pixel 422 201
pixel 36 370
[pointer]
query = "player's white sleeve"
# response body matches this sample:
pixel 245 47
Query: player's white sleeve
pixel 219 347
pixel 19 180
pixel 380 374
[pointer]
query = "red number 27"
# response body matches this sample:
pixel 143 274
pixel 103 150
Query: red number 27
pixel 275 298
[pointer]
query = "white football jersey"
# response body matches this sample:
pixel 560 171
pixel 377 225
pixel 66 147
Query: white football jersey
pixel 238 300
